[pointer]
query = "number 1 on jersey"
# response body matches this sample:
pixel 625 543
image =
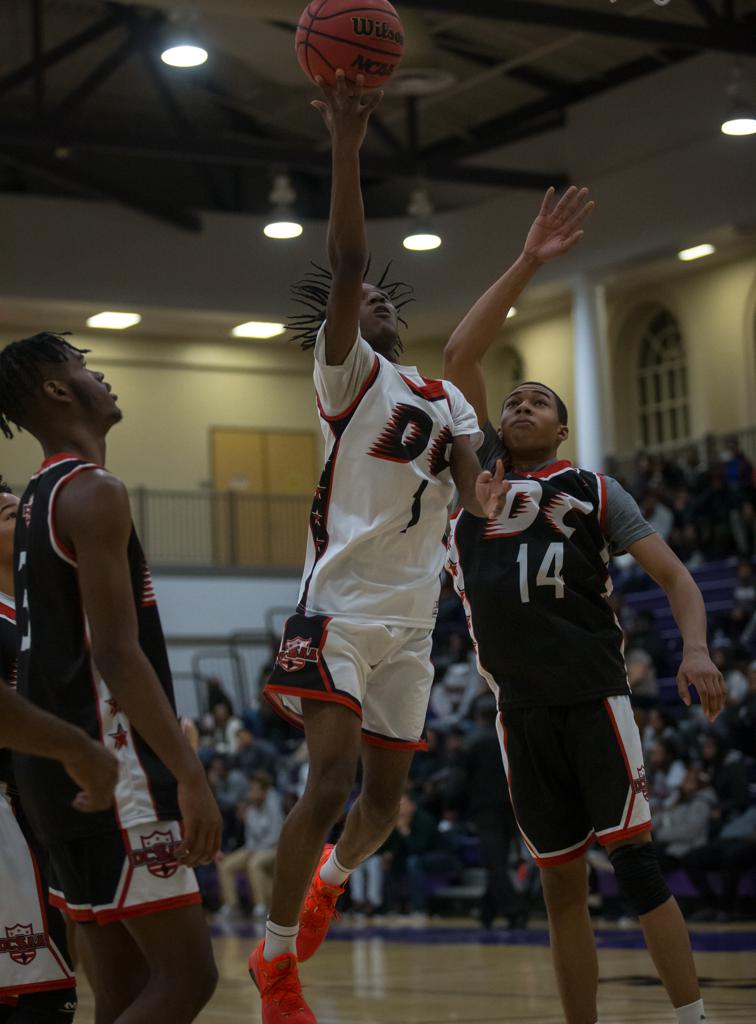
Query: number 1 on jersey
pixel 554 557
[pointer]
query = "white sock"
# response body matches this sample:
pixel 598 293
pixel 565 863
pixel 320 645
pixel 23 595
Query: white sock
pixel 334 873
pixel 693 1013
pixel 279 939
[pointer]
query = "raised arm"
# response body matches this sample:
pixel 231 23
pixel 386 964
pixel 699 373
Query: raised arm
pixel 29 730
pixel 346 112
pixel 556 229
pixel 697 669
pixel 93 516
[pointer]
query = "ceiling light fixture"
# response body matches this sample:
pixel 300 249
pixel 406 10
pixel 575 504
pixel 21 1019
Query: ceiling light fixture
pixel 695 252
pixel 258 329
pixel 111 321
pixel 422 238
pixel 741 117
pixel 184 55
pixel 283 222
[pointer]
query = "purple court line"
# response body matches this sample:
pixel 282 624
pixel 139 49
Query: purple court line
pixel 606 938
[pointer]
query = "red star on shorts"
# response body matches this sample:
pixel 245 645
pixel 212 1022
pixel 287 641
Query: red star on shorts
pixel 113 705
pixel 120 737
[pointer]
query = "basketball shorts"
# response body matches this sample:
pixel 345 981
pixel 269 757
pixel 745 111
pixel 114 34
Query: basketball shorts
pixel 382 673
pixel 575 774
pixel 121 874
pixel 33 952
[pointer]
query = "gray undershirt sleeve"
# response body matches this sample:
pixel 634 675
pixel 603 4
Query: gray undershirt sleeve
pixel 624 521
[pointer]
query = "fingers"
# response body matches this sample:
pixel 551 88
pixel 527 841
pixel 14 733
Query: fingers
pixel 499 474
pixel 548 200
pixel 373 102
pixel 561 209
pixel 185 850
pixel 683 690
pixel 579 218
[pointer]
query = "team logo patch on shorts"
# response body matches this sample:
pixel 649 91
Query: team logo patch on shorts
pixel 296 653
pixel 157 854
pixel 21 943
pixel 640 785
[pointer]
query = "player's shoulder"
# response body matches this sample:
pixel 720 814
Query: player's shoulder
pixel 94 496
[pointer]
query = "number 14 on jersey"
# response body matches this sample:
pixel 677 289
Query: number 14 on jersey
pixel 549 573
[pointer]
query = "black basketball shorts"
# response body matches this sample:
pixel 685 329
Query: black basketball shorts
pixel 575 774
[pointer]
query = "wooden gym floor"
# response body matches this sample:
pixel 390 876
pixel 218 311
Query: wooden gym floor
pixel 402 975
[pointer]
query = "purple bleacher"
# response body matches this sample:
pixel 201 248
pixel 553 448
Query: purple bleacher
pixel 680 884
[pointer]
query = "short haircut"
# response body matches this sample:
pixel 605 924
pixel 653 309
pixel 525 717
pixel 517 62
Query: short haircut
pixel 21 373
pixel 561 407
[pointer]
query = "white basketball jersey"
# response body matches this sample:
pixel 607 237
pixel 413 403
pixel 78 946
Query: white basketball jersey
pixel 377 526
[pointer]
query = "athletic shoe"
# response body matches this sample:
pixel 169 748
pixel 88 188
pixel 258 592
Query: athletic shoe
pixel 318 911
pixel 280 990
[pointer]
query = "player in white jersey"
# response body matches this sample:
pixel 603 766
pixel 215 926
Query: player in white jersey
pixel 354 664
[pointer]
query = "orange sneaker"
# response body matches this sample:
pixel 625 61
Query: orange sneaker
pixel 318 911
pixel 280 988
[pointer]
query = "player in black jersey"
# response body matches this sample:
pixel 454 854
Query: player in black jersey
pixel 535 582
pixel 36 979
pixel 91 651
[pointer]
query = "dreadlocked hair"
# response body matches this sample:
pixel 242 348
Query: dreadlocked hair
pixel 4 488
pixel 312 293
pixel 21 365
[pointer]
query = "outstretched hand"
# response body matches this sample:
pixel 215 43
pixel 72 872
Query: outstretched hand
pixel 491 491
pixel 558 226
pixel 346 109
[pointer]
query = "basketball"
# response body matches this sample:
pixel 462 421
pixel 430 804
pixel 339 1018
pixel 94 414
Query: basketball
pixel 361 37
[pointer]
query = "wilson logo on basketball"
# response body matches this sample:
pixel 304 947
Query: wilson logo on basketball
pixel 377 30
pixel 21 943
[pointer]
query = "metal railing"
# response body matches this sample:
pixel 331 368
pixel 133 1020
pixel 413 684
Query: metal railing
pixel 709 448
pixel 216 528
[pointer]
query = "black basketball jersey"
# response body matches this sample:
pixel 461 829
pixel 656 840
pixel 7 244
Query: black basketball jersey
pixel 56 671
pixel 535 584
pixel 7 670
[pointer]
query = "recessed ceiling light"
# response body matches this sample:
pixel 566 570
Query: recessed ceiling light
pixel 512 312
pixel 258 329
pixel 114 321
pixel 186 55
pixel 739 126
pixel 696 252
pixel 422 242
pixel 283 229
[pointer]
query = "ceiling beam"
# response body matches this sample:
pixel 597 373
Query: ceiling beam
pixel 728 37
pixel 499 130
pixel 73 179
pixel 536 77
pixel 78 96
pixel 59 53
pixel 707 11
pixel 240 154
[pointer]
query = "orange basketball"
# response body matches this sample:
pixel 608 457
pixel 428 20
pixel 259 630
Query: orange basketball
pixel 361 36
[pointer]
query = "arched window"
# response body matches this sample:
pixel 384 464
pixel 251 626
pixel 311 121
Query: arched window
pixel 662 378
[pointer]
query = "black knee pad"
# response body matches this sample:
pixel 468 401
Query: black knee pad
pixel 639 877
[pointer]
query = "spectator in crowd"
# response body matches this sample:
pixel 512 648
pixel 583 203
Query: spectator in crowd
pixel 366 885
pixel 739 718
pixel 666 772
pixel 490 811
pixel 415 858
pixel 732 853
pixel 661 725
pixel 641 674
pixel 644 634
pixel 727 773
pixel 262 817
pixel 693 469
pixel 229 787
pixel 223 728
pixel 658 515
pixel 737 467
pixel 453 693
pixel 683 825
pixel 254 754
pixel 450 635
pixel 744 593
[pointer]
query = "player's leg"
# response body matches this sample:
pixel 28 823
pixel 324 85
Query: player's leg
pixel 116 968
pixel 371 819
pixel 608 758
pixel 643 886
pixel 333 734
pixel 573 947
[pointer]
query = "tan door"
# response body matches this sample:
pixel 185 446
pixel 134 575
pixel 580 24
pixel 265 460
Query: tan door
pixel 264 482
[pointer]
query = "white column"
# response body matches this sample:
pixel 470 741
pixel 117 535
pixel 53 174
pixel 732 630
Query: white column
pixel 592 398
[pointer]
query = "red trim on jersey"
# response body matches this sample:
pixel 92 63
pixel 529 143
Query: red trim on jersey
pixel 431 390
pixel 624 833
pixel 40 986
pixel 58 546
pixel 62 457
pixel 7 612
pixel 563 858
pixel 602 514
pixel 305 694
pixel 618 734
pixel 118 914
pixel 391 743
pixel 552 470
pixel 369 380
